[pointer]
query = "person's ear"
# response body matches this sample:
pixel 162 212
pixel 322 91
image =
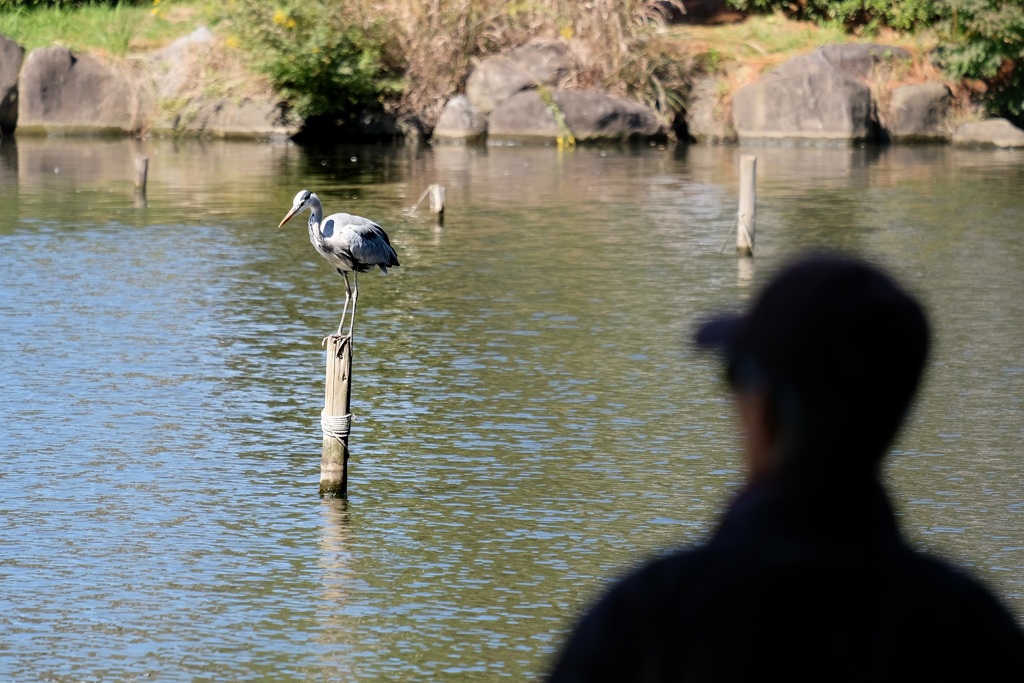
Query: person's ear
pixel 760 426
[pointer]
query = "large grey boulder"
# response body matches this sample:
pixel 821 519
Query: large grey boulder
pixel 172 65
pixel 186 109
pixel 539 63
pixel 459 122
pixel 705 120
pixel 918 113
pixel 989 133
pixel 829 105
pixel 817 96
pixel 64 92
pixel 11 57
pixel 589 116
pixel 244 119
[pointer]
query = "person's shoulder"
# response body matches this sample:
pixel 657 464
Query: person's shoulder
pixel 959 601
pixel 665 574
pixel 622 633
pixel 931 572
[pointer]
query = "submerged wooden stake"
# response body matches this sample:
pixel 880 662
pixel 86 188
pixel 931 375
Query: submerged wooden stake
pixel 141 173
pixel 437 202
pixel 335 418
pixel 437 199
pixel 748 201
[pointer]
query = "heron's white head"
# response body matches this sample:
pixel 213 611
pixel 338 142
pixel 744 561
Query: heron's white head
pixel 301 201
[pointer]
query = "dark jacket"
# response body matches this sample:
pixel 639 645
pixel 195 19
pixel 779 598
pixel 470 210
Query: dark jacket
pixel 798 583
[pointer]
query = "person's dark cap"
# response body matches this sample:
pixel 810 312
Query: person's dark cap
pixel 833 328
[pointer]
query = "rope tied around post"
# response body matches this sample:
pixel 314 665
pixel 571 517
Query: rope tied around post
pixel 336 426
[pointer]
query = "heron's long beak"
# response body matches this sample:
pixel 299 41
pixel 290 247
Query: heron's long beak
pixel 295 210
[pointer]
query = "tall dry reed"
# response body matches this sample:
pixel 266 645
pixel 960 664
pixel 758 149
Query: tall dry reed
pixel 616 41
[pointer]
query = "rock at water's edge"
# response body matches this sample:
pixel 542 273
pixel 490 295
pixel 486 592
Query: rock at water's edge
pixel 247 119
pixel 64 92
pixel 989 133
pixel 917 113
pixel 171 66
pixel 589 115
pixel 539 63
pixel 173 70
pixel 705 120
pixel 459 122
pixel 825 106
pixel 817 96
pixel 11 57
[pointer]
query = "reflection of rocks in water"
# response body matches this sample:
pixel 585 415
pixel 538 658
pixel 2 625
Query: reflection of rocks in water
pixel 186 181
pixel 9 172
pixel 43 162
pixel 8 160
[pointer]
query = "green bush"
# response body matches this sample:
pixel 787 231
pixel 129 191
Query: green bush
pixel 322 57
pixel 984 41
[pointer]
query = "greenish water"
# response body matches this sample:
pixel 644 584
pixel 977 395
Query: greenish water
pixel 529 418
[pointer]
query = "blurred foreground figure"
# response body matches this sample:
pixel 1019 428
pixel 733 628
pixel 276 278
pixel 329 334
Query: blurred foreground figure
pixel 807 576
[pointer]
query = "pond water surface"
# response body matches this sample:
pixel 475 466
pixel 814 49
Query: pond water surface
pixel 530 420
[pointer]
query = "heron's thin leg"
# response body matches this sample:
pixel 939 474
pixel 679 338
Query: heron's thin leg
pixel 348 294
pixel 355 299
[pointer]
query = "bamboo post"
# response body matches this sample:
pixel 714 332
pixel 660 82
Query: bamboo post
pixel 748 200
pixel 335 419
pixel 141 173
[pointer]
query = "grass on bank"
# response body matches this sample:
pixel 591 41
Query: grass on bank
pixel 112 29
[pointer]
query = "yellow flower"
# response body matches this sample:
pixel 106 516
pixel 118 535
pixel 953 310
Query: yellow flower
pixel 282 19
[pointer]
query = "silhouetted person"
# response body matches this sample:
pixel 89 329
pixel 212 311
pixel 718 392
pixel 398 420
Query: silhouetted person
pixel 807 576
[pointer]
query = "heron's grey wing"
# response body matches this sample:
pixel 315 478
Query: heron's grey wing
pixel 369 244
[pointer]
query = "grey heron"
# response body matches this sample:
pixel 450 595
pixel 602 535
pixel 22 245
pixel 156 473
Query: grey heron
pixel 352 244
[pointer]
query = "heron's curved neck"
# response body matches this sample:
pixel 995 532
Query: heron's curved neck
pixel 316 214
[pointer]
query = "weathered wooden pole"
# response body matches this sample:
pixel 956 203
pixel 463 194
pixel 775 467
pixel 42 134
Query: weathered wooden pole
pixel 141 173
pixel 436 194
pixel 437 202
pixel 336 418
pixel 748 201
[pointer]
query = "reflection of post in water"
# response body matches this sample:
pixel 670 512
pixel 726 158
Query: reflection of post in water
pixel 141 175
pixel 336 417
pixel 337 624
